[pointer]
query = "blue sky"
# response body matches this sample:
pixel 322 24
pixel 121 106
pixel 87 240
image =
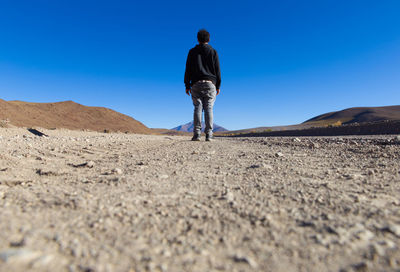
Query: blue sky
pixel 282 61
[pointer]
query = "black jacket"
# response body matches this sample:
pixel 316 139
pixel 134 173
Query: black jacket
pixel 202 64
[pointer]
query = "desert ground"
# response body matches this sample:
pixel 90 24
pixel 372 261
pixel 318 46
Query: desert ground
pixel 90 201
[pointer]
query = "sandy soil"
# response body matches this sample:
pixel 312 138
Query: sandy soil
pixel 86 201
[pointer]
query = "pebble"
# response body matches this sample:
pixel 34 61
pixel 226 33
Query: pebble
pixel 90 164
pixel 43 172
pixel 19 255
pixel 17 241
pixel 363 266
pixel 116 171
pixel 395 229
pixel 164 176
pixel 296 140
pixel 239 258
pixel 380 250
pixel 278 154
pixel 313 145
pixel 229 196
pixel 353 176
pixel 365 235
pixel 267 166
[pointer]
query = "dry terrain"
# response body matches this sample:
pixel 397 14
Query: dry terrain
pixel 67 114
pixel 89 201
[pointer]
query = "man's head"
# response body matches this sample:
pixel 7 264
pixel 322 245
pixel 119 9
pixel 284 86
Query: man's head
pixel 203 36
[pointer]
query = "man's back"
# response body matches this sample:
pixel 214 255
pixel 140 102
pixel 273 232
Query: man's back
pixel 202 64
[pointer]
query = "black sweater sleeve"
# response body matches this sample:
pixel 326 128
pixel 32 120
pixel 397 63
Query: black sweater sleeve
pixel 188 72
pixel 217 71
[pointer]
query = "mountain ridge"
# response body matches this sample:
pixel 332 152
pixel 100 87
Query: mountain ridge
pixel 360 115
pixel 69 115
pixel 335 118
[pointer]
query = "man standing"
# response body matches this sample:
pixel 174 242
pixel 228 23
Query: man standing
pixel 203 80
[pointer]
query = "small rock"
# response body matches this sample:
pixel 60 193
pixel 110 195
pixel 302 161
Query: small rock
pixel 397 139
pixel 245 259
pixel 90 164
pixel 370 172
pixel 17 241
pixel 360 267
pixel 352 176
pixel 267 166
pixel 389 243
pixel 229 197
pixel 42 172
pixel 365 235
pixel 395 229
pixel 164 176
pixel 379 202
pixel 313 145
pixel 19 255
pixel 379 250
pixel 296 140
pixel 42 261
pixel 116 171
pixel 278 154
pixel 305 223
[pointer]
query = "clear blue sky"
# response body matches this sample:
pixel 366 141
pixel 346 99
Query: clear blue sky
pixel 282 61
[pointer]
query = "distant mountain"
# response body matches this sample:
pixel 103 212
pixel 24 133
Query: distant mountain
pixel 189 127
pixel 336 118
pixel 359 115
pixel 68 114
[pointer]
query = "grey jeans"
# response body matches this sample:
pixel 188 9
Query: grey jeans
pixel 203 96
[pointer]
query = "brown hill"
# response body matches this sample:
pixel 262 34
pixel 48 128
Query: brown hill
pixel 358 115
pixel 68 114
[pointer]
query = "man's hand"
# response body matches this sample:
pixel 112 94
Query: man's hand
pixel 217 91
pixel 188 91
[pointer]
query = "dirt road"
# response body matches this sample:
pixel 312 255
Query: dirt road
pixel 86 201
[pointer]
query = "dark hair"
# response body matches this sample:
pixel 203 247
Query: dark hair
pixel 203 36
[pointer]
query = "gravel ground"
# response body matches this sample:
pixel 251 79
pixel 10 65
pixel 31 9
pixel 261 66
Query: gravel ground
pixel 86 201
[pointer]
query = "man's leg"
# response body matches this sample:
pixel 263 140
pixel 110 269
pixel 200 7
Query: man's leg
pixel 208 104
pixel 197 103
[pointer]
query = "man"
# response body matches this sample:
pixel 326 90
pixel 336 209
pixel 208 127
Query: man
pixel 203 80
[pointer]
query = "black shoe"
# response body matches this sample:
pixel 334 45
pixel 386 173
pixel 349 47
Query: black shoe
pixel 209 138
pixel 196 138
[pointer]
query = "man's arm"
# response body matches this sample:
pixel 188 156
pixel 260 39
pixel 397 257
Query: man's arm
pixel 188 74
pixel 217 72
